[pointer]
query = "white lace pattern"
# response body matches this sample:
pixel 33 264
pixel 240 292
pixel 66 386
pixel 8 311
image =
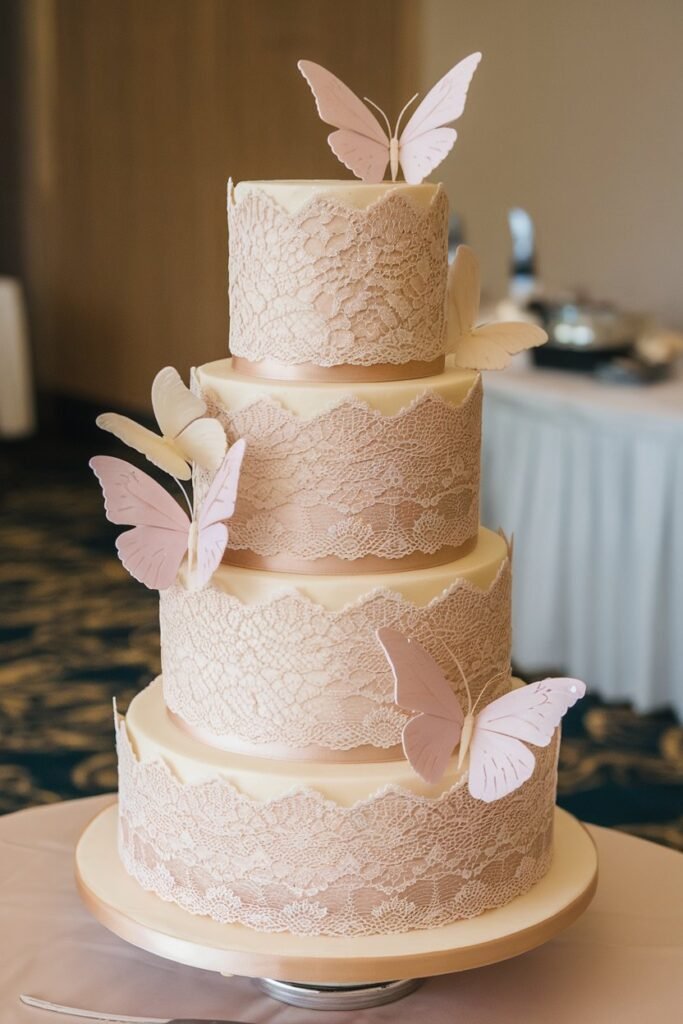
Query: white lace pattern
pixel 352 482
pixel 302 864
pixel 291 672
pixel 332 284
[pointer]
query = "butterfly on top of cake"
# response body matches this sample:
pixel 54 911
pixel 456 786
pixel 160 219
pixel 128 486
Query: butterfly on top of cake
pixel 295 768
pixel 362 145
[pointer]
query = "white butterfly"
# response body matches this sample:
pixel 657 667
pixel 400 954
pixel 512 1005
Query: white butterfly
pixel 365 148
pixel 187 435
pixel 496 739
pixel 491 346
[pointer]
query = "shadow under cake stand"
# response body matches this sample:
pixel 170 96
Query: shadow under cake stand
pixel 332 972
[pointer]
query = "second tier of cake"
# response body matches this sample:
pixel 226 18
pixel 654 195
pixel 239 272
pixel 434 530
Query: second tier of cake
pixel 352 477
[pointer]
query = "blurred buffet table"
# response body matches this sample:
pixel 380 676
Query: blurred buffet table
pixel 588 477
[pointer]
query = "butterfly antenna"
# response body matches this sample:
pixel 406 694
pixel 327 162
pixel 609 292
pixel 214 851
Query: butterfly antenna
pixel 398 120
pixel 485 687
pixel 186 496
pixel 386 119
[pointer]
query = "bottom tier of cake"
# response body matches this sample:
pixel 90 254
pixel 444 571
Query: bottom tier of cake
pixel 319 849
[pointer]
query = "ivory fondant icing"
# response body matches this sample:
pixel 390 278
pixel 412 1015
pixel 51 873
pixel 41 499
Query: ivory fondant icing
pixel 292 195
pixel 419 586
pixel 307 399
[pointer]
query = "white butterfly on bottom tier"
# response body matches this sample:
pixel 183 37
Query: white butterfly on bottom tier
pixel 187 433
pixel 489 346
pixel 495 739
pixel 360 141
pixel 163 534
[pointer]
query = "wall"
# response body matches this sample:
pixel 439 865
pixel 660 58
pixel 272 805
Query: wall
pixel 137 113
pixel 574 113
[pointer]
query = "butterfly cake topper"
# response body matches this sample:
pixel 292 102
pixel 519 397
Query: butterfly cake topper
pixel 187 434
pixel 162 533
pixel 362 143
pixel 495 740
pixel 488 346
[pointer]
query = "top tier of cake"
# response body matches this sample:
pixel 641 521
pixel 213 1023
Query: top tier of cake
pixel 337 280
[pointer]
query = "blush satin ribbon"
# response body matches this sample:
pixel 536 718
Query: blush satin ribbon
pixel 335 566
pixel 279 752
pixel 346 373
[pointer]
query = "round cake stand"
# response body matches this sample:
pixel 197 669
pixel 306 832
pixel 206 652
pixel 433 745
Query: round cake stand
pixel 330 972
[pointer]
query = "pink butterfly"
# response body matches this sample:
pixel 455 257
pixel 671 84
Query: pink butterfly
pixel 163 533
pixel 499 761
pixel 360 141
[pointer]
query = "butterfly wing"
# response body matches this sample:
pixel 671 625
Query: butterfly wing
pixel 499 760
pixel 360 142
pixel 132 498
pixel 421 155
pixel 428 739
pixel 464 283
pixel 175 407
pixel 428 743
pixel 492 346
pixel 532 713
pixel 211 544
pixel 443 103
pixel 203 442
pixel 153 551
pixel 158 450
pixel 425 141
pixel 480 348
pixel 219 504
pixel 152 555
pixel 498 765
pixel 366 158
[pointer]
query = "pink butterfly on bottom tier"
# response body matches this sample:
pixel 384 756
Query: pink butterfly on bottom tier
pixel 496 738
pixel 362 144
pixel 163 533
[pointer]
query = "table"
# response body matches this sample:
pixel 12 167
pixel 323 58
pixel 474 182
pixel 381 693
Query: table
pixel 622 961
pixel 589 479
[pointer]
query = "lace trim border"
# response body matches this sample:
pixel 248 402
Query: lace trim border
pixel 393 862
pixel 352 483
pixel 287 671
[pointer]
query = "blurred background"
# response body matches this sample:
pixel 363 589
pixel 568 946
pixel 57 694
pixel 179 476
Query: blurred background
pixel 120 123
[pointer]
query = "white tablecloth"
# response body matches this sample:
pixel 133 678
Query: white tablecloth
pixel 589 479
pixel 621 961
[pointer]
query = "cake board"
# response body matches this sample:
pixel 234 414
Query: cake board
pixel 329 971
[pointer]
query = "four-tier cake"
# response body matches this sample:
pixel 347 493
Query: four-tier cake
pixel 269 776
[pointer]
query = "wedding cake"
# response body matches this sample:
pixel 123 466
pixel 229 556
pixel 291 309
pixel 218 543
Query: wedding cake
pixel 335 745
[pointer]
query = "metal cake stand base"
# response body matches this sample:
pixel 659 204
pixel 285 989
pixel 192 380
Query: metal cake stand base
pixel 324 972
pixel 338 997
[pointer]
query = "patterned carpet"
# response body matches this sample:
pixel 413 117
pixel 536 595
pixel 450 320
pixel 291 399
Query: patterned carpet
pixel 75 631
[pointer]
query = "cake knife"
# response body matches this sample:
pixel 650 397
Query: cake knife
pixel 117 1018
